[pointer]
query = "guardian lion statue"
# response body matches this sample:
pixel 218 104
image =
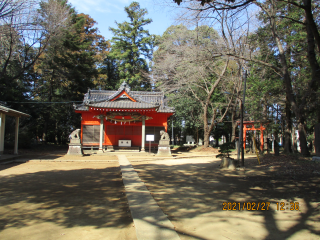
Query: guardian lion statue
pixel 75 134
pixel 164 135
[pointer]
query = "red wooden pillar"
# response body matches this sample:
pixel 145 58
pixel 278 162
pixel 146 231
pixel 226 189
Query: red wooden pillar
pixel 261 137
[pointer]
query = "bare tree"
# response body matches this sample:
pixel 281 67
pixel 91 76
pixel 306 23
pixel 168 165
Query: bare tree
pixel 210 9
pixel 9 8
pixel 188 61
pixel 25 32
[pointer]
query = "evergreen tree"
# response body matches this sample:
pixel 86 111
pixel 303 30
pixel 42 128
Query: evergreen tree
pixel 70 65
pixel 132 47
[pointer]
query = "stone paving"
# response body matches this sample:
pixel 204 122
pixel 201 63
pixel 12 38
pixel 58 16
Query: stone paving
pixel 149 220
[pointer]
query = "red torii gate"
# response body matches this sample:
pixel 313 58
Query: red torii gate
pixel 253 128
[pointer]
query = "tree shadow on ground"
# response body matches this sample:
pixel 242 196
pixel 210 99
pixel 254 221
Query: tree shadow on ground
pixel 69 198
pixel 9 165
pixel 45 151
pixel 183 149
pixel 186 191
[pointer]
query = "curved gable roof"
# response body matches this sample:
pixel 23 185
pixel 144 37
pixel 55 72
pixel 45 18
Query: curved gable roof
pixel 123 98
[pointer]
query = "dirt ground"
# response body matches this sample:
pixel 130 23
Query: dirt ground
pixel 192 192
pixel 63 200
pixel 86 200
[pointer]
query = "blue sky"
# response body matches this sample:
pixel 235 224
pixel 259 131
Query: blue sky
pixel 106 12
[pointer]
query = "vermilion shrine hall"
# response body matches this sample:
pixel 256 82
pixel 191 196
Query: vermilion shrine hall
pixel 122 118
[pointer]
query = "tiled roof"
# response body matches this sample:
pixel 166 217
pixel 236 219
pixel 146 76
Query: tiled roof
pixel 124 104
pixel 11 112
pixel 144 100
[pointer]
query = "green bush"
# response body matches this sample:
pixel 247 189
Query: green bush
pixel 225 150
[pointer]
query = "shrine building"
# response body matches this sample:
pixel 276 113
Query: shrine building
pixel 123 118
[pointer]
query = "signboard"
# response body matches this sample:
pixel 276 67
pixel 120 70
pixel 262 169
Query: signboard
pixel 150 138
pixel 190 138
pixel 124 143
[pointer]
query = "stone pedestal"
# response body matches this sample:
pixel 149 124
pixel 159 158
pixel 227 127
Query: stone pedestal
pixel 110 149
pixel 75 147
pixel 164 148
pixel 100 151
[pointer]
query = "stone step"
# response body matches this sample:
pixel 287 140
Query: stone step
pixel 127 149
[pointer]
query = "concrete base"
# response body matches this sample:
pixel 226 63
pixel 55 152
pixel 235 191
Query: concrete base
pixel 110 149
pixel 164 151
pixel 75 141
pixel 75 149
pixel 164 142
pixel 316 159
pixel 100 151
pixel 229 163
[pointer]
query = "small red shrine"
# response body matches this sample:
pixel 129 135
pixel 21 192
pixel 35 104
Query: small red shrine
pixel 249 126
pixel 122 118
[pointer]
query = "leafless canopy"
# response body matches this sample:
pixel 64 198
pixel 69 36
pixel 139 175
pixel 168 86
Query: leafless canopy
pixel 26 30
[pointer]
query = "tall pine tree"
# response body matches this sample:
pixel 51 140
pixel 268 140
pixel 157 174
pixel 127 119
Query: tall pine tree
pixel 132 47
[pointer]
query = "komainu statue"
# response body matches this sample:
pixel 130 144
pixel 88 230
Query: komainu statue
pixel 75 147
pixel 75 134
pixel 164 135
pixel 164 144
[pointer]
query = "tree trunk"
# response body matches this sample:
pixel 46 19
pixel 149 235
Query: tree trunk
pixel 56 138
pixel 282 131
pixel 288 141
pixel 44 134
pixel 303 139
pixel 288 129
pixel 286 76
pixel 265 141
pixel 265 134
pixel 206 137
pixel 234 126
pixel 310 21
pixel 254 145
pixel 294 141
pixel 197 135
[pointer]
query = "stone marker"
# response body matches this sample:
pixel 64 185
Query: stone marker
pixel 164 147
pixel 229 163
pixel 317 142
pixel 190 139
pixel 237 144
pixel 75 147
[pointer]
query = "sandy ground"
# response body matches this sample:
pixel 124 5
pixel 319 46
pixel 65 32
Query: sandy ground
pixel 192 192
pixel 63 200
pixel 86 200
